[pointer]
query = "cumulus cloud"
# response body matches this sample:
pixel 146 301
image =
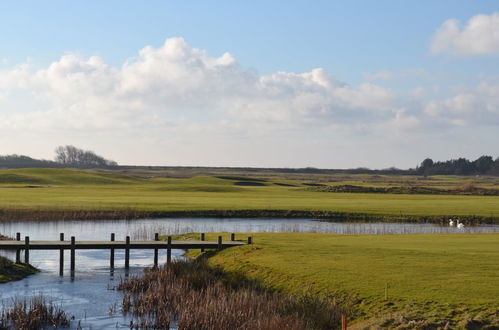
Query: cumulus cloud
pixel 479 36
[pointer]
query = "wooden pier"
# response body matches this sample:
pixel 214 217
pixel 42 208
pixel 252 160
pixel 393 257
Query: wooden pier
pixel 26 245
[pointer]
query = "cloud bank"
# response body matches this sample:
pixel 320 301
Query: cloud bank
pixel 176 104
pixel 175 83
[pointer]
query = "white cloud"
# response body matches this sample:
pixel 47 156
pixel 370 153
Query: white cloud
pixel 477 106
pixel 479 36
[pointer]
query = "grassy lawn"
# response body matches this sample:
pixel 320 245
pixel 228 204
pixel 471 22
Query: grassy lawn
pixel 54 189
pixel 438 278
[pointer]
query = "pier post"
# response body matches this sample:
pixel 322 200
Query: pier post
pixel 61 256
pixel 18 251
pixel 127 252
pixel 250 240
pixel 26 250
pixel 232 237
pixel 219 242
pixel 169 251
pixel 202 238
pixel 111 257
pixel 73 246
pixel 156 238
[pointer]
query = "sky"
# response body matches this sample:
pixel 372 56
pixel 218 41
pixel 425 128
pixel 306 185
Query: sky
pixel 327 84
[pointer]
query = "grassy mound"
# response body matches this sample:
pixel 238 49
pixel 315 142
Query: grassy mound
pixel 10 271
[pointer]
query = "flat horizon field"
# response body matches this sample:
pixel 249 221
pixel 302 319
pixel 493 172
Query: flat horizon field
pixel 65 189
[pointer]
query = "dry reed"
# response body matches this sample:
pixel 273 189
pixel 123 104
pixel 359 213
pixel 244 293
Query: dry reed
pixel 35 313
pixel 192 295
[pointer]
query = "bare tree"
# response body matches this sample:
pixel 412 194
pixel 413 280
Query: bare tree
pixel 72 156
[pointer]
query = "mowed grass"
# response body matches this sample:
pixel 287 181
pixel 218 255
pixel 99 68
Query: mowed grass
pixel 61 189
pixel 437 277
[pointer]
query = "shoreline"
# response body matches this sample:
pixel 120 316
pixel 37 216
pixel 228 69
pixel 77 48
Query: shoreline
pixel 47 214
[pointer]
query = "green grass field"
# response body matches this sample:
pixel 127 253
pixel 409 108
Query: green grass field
pixel 56 189
pixel 437 278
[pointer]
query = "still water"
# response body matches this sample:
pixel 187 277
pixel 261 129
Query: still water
pixel 90 297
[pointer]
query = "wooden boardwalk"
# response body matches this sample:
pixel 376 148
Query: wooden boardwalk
pixel 101 245
pixel 26 245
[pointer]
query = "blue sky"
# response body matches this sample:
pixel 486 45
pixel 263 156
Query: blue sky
pixel 383 52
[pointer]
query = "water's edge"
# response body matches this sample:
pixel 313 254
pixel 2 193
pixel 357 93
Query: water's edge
pixel 41 215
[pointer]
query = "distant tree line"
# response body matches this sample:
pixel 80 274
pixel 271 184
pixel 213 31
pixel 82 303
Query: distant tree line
pixel 484 165
pixel 70 156
pixel 19 161
pixel 65 156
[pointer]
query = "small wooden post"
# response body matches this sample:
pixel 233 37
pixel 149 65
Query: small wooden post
pixel 73 246
pixel 232 237
pixel 202 238
pixel 18 251
pixel 61 256
pixel 26 250
pixel 344 323
pixel 127 252
pixel 219 242
pixel 169 251
pixel 156 238
pixel 111 257
pixel 250 240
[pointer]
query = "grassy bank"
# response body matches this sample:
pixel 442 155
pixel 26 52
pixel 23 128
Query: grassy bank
pixel 423 280
pixel 57 194
pixel 10 271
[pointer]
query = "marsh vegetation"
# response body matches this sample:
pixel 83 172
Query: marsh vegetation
pixel 193 295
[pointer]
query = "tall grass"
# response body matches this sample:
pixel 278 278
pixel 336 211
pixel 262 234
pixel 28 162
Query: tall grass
pixel 35 313
pixel 192 295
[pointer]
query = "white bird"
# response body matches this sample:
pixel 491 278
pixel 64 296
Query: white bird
pixel 451 222
pixel 460 225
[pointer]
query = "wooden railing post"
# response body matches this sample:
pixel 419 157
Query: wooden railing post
pixel 111 257
pixel 26 250
pixel 232 237
pixel 169 251
pixel 61 256
pixel 156 238
pixel 250 240
pixel 73 247
pixel 18 251
pixel 202 238
pixel 219 242
pixel 127 252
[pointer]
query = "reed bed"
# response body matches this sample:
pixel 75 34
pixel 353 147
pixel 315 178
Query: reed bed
pixel 5 238
pixel 36 313
pixel 192 295
pixel 180 227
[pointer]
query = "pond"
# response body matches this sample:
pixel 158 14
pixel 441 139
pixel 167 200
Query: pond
pixel 90 297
